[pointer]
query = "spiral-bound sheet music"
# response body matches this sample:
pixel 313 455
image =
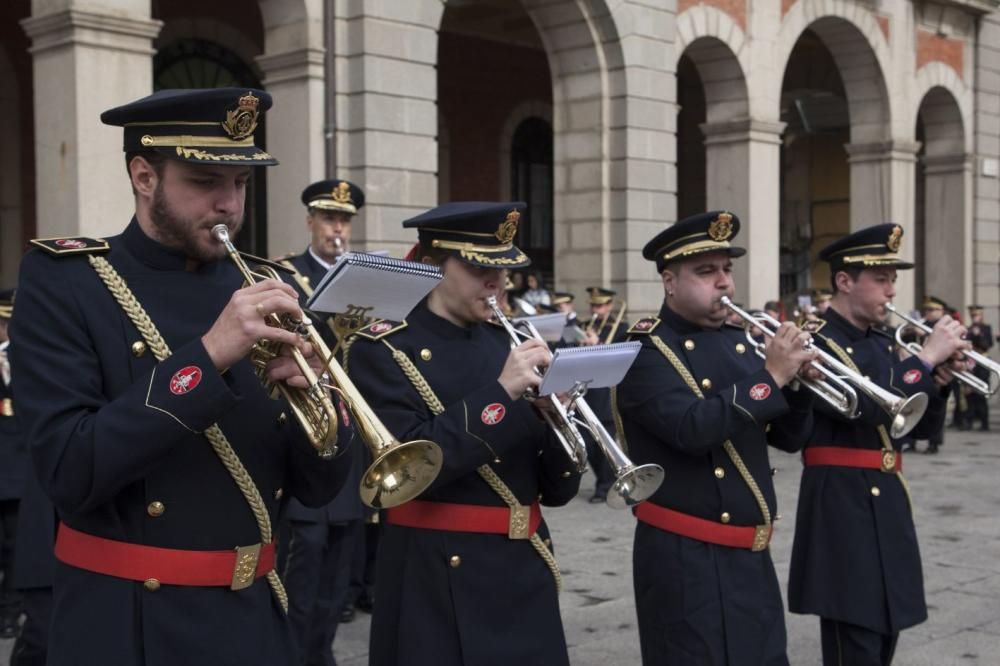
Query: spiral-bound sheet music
pixel 597 366
pixel 384 287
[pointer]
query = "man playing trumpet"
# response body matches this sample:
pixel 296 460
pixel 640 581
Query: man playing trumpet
pixel 699 402
pixel 855 560
pixel 150 431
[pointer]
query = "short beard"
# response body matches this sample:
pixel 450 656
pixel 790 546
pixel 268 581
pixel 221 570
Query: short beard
pixel 179 234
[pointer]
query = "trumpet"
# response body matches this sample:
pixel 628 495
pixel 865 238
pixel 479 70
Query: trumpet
pixel 633 483
pixel 401 470
pixel 841 385
pixel 985 388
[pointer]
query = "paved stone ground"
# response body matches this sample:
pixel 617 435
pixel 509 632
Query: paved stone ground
pixel 956 498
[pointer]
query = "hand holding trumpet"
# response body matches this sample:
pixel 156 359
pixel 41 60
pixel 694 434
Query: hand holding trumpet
pixel 788 353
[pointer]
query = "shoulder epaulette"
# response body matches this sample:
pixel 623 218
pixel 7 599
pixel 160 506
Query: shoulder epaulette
pixel 381 328
pixel 75 245
pixel 644 326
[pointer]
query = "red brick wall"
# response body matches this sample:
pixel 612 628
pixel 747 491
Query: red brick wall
pixel 737 9
pixel 932 47
pixel 480 82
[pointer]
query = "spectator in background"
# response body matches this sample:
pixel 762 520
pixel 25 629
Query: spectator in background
pixel 774 309
pixel 536 294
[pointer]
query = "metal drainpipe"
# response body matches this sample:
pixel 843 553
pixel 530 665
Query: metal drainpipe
pixel 330 88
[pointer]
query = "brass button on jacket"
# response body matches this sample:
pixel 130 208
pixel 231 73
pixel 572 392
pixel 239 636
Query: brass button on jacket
pixel 719 472
pixel 156 509
pixel 138 348
pixel 875 491
pixel 689 345
pixel 151 584
pixel 725 516
pixel 741 348
pixel 425 354
pixel 454 561
pixel 706 384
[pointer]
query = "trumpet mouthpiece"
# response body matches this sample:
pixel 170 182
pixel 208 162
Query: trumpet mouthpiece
pixel 221 233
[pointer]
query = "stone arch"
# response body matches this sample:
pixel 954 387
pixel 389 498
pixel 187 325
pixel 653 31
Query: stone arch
pixel 946 104
pixel 715 43
pixel 213 30
pixel 861 51
pixel 11 212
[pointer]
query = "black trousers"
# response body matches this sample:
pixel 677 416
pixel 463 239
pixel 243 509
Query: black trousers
pixel 317 576
pixel 362 588
pixel 10 599
pixel 30 648
pixel 850 645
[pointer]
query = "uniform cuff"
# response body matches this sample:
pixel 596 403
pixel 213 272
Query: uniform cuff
pixel 912 376
pixel 187 387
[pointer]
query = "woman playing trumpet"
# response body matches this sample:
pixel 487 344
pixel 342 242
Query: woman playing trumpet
pixel 472 553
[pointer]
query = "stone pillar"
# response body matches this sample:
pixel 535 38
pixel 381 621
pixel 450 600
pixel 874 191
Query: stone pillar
pixel 387 115
pixel 882 190
pixel 949 228
pixel 295 136
pixel 79 165
pixel 742 161
pixel 986 204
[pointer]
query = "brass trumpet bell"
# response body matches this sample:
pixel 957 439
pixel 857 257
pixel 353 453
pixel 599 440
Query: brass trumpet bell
pixel 400 473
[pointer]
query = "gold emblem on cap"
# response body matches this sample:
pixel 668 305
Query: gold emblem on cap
pixel 721 228
pixel 342 193
pixel 508 228
pixel 241 123
pixel 895 238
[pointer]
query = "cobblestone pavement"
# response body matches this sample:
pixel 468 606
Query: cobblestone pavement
pixel 956 494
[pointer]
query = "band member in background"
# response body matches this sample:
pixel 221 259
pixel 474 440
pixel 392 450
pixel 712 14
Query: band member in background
pixel 822 301
pixel 981 337
pixel 855 559
pixel 699 402
pixel 933 309
pixel 13 469
pixel 320 543
pixel 472 553
pixel 149 429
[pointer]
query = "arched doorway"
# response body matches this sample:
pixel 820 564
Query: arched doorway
pixel 500 38
pixel 691 197
pixel 942 223
pixel 815 177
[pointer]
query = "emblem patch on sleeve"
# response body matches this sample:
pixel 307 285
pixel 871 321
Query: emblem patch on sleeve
pixel 912 376
pixel 493 413
pixel 760 391
pixel 185 380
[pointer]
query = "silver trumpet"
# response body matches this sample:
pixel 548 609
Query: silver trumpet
pixel 633 484
pixel 841 385
pixel 983 387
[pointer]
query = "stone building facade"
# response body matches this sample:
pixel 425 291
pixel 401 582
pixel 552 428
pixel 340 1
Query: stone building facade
pixel 808 118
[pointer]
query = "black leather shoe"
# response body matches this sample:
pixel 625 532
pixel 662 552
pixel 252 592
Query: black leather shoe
pixel 597 499
pixel 931 448
pixel 347 615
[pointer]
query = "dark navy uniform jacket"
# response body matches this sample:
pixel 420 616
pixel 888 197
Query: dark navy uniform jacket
pixel 347 505
pixel 855 557
pixel 13 450
pixel 701 603
pixel 498 605
pixel 109 436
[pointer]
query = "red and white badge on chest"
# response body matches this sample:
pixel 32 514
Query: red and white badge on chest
pixel 185 379
pixel 760 391
pixel 493 413
pixel 912 376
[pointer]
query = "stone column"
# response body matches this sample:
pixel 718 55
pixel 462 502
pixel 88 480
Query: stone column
pixel 986 201
pixel 79 165
pixel 949 228
pixel 295 136
pixel 882 190
pixel 387 115
pixel 742 161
